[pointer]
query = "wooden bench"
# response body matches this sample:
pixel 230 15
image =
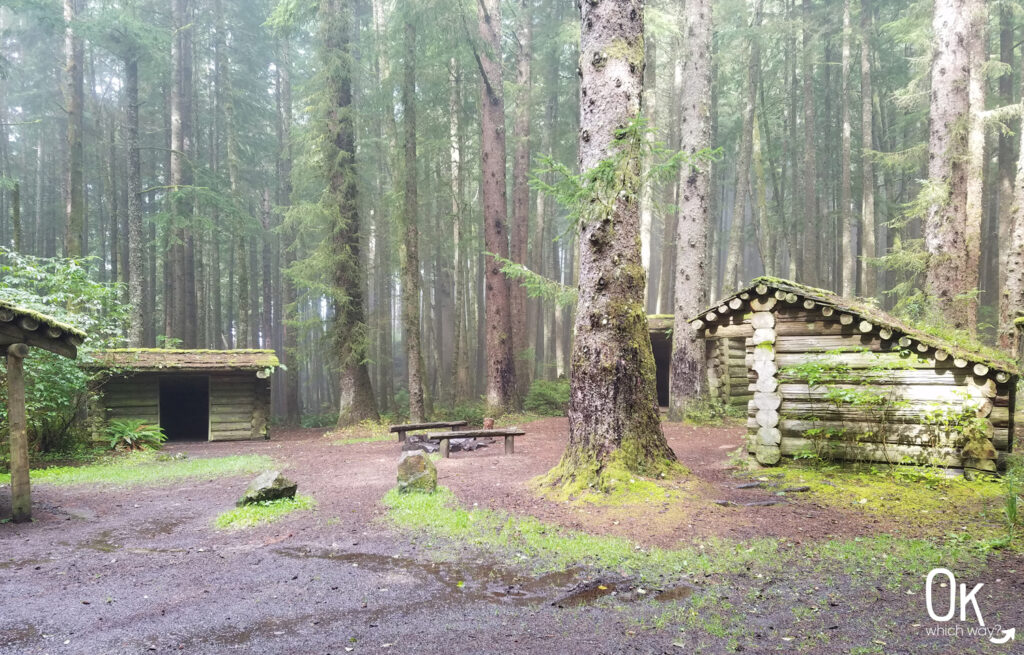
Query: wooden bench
pixel 510 435
pixel 410 427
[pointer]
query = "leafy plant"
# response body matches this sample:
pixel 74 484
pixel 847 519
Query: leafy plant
pixel 56 388
pixel 548 397
pixel 134 434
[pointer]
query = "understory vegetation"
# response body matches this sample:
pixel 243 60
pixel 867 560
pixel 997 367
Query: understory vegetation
pixel 144 468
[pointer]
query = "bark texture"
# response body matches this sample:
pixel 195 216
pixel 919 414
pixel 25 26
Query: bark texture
pixel 849 252
pixel 945 229
pixel 136 290
pixel 521 192
pixel 613 414
pixel 687 374
pixel 501 374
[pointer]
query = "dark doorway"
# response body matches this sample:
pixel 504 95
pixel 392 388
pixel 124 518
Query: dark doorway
pixel 661 345
pixel 185 408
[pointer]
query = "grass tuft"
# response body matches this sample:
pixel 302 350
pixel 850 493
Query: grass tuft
pixel 268 511
pixel 363 432
pixel 147 469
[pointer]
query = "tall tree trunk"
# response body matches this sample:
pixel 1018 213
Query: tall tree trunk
pixel 288 309
pixel 411 260
pixel 647 196
pixel 811 273
pixel 348 332
pixel 521 192
pixel 975 204
pixel 1013 291
pixel 687 374
pixel 613 415
pixel 849 254
pixel 671 216
pixel 1006 174
pixel 868 276
pixel 183 309
pixel 501 375
pixel 459 358
pixel 136 291
pixel 945 229
pixel 74 100
pixel 734 257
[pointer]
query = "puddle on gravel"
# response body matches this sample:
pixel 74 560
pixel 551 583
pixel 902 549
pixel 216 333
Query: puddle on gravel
pixel 101 542
pixel 473 582
pixel 21 563
pixel 158 528
pixel 482 582
pixel 11 636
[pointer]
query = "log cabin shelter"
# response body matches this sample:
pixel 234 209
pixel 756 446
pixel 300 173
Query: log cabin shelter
pixel 839 379
pixel 20 330
pixel 194 395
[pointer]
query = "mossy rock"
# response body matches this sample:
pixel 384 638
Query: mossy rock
pixel 979 450
pixel 767 455
pixel 416 473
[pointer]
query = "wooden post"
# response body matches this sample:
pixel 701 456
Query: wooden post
pixel 510 445
pixel 21 496
pixel 445 447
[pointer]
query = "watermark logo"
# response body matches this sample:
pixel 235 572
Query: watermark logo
pixel 967 600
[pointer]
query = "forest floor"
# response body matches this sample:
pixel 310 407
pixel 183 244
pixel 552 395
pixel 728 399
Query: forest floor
pixel 834 565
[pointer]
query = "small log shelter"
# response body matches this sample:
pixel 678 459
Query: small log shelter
pixel 21 329
pixel 215 395
pixel 841 379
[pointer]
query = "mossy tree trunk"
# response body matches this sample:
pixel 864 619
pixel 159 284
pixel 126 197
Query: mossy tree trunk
pixel 687 373
pixel 348 333
pixel 613 414
pixel 411 257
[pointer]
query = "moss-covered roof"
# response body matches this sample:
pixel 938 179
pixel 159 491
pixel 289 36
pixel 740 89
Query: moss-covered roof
pixel 958 345
pixel 166 359
pixel 10 312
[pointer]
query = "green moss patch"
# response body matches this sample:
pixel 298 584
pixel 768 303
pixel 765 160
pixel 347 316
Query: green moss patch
pixel 912 497
pixel 616 482
pixel 546 547
pixel 363 432
pixel 248 516
pixel 147 469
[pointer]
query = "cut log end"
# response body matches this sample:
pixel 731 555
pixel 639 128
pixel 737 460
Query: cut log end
pixel 735 303
pixel 827 311
pixel 865 327
pixel 846 319
pixel 808 304
pixel 980 370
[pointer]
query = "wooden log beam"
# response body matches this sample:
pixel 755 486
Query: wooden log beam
pixel 15 334
pixel 763 304
pixel 872 452
pixel 21 494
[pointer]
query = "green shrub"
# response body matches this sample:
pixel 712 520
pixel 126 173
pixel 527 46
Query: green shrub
pixel 57 389
pixel 471 412
pixel 548 397
pixel 324 420
pixel 134 434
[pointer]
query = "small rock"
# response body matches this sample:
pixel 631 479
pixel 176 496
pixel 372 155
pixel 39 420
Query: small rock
pixel 269 485
pixel 796 490
pixel 725 503
pixel 416 473
pixel 750 485
pixel 761 503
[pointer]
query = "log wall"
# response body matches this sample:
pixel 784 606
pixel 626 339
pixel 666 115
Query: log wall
pixel 239 407
pixel 136 397
pixel 911 383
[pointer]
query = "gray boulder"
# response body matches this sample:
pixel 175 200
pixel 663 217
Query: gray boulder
pixel 416 473
pixel 269 485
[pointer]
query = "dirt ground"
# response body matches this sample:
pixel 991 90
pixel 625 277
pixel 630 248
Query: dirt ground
pixel 142 570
